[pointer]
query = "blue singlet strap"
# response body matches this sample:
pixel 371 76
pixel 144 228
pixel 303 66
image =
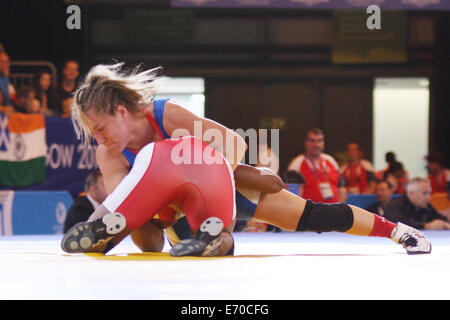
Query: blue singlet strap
pixel 158 111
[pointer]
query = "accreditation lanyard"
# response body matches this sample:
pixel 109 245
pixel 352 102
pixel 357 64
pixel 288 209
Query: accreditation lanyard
pixel 357 175
pixel 320 168
pixel 324 186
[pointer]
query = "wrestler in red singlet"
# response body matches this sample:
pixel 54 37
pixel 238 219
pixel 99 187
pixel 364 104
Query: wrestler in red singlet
pixel 185 171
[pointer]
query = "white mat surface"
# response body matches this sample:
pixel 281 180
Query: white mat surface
pixel 276 266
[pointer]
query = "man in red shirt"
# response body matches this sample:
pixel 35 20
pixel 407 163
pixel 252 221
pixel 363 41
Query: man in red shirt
pixel 323 180
pixel 437 173
pixel 358 173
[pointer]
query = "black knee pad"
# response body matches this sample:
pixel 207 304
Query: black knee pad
pixel 324 217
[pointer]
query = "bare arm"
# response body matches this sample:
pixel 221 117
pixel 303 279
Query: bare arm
pixel 114 168
pixel 261 179
pixel 180 122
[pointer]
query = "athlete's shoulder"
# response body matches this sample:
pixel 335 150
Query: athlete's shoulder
pixel 296 162
pixel 367 165
pixel 344 167
pixel 174 110
pixel 155 104
pixel 328 158
pixel 178 120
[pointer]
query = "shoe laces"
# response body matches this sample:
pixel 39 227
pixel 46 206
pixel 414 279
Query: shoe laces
pixel 408 240
pixel 411 239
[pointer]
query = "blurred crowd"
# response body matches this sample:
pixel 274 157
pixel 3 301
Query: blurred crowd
pixel 421 202
pixel 43 95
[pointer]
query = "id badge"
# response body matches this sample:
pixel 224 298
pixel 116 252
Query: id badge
pixel 325 190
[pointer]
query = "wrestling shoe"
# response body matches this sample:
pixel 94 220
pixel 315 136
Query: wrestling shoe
pixel 84 235
pixel 195 247
pixel 205 243
pixel 412 240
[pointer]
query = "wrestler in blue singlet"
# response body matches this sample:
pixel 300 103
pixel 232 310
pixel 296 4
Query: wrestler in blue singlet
pixel 245 209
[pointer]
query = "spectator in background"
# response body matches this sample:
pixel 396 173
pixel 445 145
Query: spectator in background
pixel 390 158
pixel 384 191
pixel 295 177
pixel 6 87
pixel 46 94
pixel 358 173
pixel 397 176
pixel 323 180
pixel 4 77
pixel 67 107
pixel 414 209
pixel 69 83
pixel 441 201
pixel 34 107
pixel 25 97
pixel 84 205
pixel 439 178
pixel 3 108
pixel 437 173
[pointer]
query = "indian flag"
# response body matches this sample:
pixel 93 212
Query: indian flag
pixel 22 149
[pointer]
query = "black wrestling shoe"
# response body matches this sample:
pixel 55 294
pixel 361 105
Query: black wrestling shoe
pixel 196 247
pixel 84 235
pixel 205 243
pixel 188 247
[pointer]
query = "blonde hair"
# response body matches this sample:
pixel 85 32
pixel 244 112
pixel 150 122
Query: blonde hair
pixel 107 86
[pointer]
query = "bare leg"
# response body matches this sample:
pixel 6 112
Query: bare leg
pixel 363 222
pixel 149 237
pixel 284 210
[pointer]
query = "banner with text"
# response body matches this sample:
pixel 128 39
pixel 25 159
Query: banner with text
pixel 317 4
pixel 67 161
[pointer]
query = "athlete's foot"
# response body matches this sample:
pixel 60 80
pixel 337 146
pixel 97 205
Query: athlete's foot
pixel 85 235
pixel 227 245
pixel 412 240
pixel 206 241
pixel 195 247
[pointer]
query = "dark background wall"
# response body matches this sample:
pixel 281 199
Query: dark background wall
pixel 36 30
pixel 254 68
